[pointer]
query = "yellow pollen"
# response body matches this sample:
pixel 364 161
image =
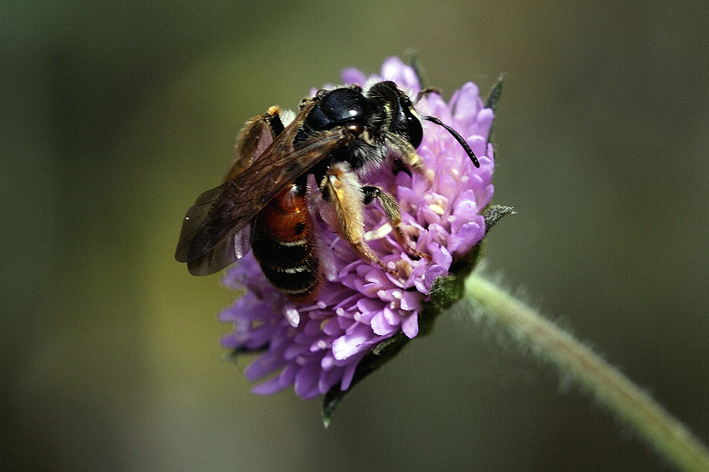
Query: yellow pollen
pixel 438 209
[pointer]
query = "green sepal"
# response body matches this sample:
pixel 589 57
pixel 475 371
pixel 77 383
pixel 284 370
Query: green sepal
pixel 417 65
pixel 493 100
pixel 494 214
pixel 240 351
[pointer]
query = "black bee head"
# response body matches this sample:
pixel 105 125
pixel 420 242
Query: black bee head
pixel 384 108
pixel 398 111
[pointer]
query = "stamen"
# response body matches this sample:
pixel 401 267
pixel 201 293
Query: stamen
pixel 378 233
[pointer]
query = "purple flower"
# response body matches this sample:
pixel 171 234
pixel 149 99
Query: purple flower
pixel 318 345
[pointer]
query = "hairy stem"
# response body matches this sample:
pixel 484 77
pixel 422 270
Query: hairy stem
pixel 575 360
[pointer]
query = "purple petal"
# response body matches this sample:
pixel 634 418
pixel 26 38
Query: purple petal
pixel 410 326
pixel 269 387
pixel 353 76
pixel 306 380
pixel 350 344
pixel 394 69
pixel 263 366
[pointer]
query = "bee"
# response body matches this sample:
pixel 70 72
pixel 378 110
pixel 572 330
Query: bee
pixel 338 135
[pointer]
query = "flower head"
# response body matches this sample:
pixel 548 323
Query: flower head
pixel 318 346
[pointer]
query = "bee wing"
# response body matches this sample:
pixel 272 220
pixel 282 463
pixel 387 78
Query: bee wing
pixel 214 232
pixel 254 138
pixel 226 251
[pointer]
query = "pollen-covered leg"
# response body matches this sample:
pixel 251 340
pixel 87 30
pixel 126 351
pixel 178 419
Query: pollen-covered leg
pixel 393 215
pixel 342 189
pixel 256 135
pixel 405 151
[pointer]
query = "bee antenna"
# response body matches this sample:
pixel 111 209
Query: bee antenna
pixel 457 137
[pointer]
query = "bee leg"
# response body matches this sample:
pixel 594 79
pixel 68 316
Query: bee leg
pixel 253 139
pixel 405 151
pixel 341 187
pixel 425 92
pixel 393 215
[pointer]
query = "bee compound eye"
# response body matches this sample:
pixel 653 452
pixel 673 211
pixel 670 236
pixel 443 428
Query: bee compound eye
pixel 414 129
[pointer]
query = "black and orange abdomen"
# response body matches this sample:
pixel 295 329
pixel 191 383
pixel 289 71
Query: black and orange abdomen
pixel 284 244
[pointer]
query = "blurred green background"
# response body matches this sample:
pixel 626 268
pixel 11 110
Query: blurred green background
pixel 116 115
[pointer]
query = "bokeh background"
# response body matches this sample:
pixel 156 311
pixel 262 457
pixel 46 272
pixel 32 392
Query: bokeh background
pixel 116 115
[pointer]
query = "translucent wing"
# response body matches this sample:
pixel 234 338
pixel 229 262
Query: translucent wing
pixel 214 232
pixel 254 138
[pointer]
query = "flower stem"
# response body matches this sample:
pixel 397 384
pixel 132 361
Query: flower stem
pixel 647 418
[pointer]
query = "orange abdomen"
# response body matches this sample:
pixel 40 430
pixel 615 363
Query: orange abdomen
pixel 284 244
